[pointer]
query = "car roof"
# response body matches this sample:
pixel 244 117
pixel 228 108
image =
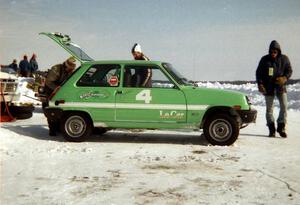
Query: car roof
pixel 131 62
pixel 8 70
pixel 4 75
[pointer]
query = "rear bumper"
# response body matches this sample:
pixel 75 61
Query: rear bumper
pixel 53 114
pixel 247 116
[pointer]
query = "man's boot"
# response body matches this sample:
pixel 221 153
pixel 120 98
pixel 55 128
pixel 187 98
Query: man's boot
pixel 271 130
pixel 52 128
pixel 52 132
pixel 281 130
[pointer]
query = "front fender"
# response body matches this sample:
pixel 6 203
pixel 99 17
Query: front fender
pixel 220 109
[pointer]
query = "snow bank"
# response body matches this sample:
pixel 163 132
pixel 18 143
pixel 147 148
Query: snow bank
pixel 250 89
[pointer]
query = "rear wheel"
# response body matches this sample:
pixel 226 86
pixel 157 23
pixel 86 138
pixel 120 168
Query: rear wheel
pixel 221 129
pixel 76 127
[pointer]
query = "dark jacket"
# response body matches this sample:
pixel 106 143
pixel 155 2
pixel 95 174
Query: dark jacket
pixel 142 77
pixel 14 66
pixel 33 65
pixel 56 76
pixel 24 67
pixel 269 69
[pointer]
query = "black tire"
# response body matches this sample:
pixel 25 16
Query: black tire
pixel 221 129
pixel 99 130
pixel 23 116
pixel 21 112
pixel 76 127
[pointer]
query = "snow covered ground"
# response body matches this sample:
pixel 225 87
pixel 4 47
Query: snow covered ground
pixel 152 167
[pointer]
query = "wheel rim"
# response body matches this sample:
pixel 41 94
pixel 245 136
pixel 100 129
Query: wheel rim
pixel 220 130
pixel 75 126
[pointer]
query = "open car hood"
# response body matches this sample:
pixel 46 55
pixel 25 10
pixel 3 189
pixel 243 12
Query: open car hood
pixel 65 42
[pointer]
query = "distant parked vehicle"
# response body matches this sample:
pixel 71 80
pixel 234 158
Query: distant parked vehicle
pixel 11 93
pixel 8 70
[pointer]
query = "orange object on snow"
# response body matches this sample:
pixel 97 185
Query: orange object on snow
pixel 5 114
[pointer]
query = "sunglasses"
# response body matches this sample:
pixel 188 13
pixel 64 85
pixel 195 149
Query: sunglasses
pixel 274 52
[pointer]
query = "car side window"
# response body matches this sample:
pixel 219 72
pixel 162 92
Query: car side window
pixel 101 76
pixel 145 76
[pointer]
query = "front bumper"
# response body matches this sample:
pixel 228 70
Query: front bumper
pixel 247 116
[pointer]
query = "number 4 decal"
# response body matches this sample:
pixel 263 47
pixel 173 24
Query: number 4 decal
pixel 144 95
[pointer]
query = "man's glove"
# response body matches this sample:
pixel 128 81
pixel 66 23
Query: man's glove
pixel 281 80
pixel 262 89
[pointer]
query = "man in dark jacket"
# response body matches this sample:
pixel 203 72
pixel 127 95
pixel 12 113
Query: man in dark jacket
pixel 33 65
pixel 13 66
pixel 272 74
pixel 24 67
pixel 56 76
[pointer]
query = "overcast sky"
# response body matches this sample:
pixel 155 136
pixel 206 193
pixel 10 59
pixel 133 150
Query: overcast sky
pixel 203 39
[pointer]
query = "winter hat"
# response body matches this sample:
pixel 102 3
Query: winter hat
pixel 136 48
pixel 70 62
pixel 274 45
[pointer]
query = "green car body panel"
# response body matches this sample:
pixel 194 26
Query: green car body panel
pixel 179 106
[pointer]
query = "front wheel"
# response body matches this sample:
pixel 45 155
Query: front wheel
pixel 76 127
pixel 221 129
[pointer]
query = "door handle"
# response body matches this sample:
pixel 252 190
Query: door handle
pixel 119 92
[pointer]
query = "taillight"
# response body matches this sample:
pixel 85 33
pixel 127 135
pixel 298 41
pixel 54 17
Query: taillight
pixel 54 92
pixel 236 107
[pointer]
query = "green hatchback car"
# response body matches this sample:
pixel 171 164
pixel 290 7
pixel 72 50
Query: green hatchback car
pixel 111 94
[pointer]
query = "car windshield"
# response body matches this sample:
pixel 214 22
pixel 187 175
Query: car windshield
pixel 8 70
pixel 175 74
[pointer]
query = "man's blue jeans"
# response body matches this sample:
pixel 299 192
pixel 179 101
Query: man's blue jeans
pixel 282 98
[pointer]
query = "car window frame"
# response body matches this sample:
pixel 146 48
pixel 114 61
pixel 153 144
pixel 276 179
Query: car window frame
pixel 149 65
pixel 100 64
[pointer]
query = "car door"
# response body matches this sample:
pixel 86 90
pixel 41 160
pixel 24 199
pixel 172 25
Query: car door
pixel 157 100
pixel 97 89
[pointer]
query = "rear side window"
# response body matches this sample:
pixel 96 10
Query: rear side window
pixel 101 76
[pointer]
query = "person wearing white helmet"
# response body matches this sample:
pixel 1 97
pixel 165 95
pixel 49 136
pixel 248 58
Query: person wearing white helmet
pixel 143 76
